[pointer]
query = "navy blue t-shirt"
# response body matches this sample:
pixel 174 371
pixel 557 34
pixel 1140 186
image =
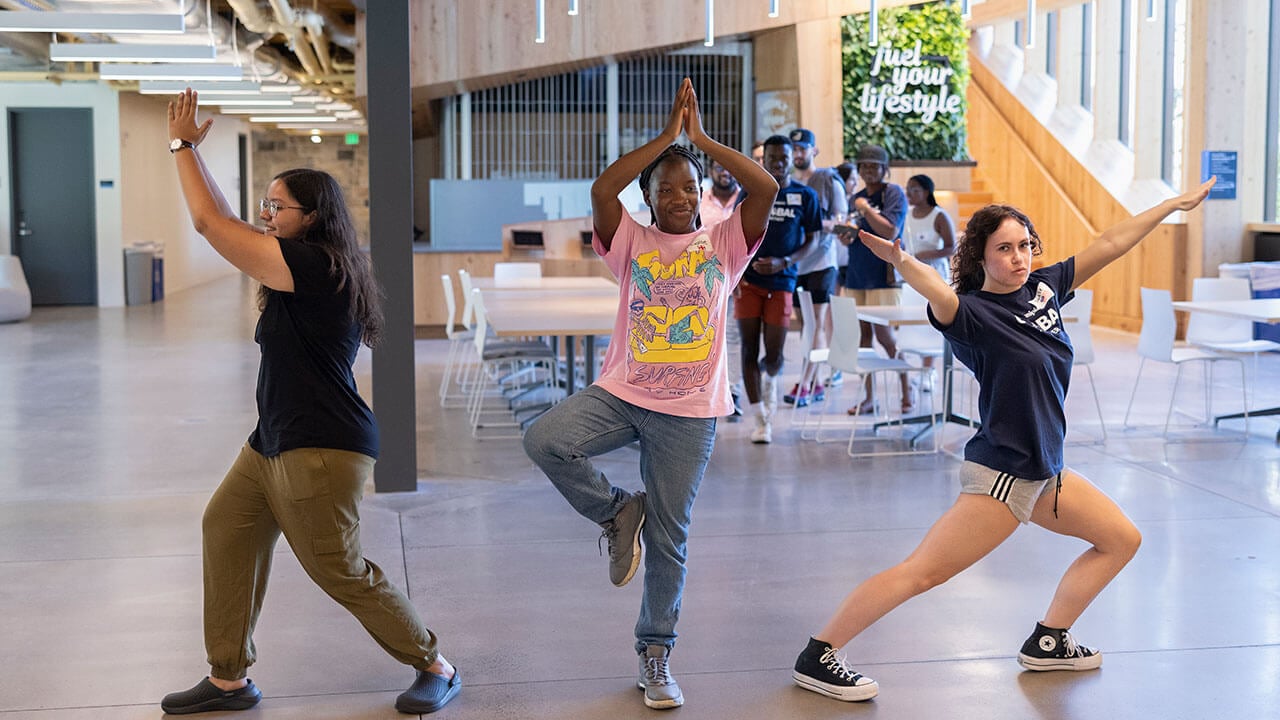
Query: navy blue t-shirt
pixel 306 391
pixel 866 271
pixel 796 212
pixel 1018 349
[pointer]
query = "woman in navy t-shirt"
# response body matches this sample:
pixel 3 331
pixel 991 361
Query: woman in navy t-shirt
pixel 1004 321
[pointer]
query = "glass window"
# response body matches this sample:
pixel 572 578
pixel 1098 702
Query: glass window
pixel 1086 56
pixel 1125 131
pixel 1175 70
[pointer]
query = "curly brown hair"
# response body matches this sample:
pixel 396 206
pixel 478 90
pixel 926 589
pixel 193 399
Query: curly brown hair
pixel 967 274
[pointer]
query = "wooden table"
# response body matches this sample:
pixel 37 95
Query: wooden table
pixel 546 283
pixel 1262 310
pixel 558 313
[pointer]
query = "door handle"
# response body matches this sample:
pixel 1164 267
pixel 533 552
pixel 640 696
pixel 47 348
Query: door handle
pixel 23 231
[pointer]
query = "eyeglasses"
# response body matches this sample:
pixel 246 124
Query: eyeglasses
pixel 271 207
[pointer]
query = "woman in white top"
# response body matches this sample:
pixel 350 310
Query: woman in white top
pixel 929 234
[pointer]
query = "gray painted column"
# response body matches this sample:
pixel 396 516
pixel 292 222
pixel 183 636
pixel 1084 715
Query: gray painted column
pixel 391 240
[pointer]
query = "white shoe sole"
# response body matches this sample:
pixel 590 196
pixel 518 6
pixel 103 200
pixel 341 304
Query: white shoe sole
pixel 1093 662
pixel 857 693
pixel 674 702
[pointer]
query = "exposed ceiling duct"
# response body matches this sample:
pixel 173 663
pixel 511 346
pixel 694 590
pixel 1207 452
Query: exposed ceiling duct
pixel 317 50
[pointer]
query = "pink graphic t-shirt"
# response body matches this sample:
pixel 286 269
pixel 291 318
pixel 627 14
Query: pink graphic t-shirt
pixel 667 352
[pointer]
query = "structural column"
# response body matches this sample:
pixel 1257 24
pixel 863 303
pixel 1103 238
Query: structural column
pixel 391 239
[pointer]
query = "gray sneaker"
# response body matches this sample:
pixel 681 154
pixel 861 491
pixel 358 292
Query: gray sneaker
pixel 660 689
pixel 623 534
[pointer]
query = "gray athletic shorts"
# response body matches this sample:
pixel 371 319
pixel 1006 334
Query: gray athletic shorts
pixel 1020 495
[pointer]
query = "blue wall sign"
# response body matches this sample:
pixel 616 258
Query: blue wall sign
pixel 1223 164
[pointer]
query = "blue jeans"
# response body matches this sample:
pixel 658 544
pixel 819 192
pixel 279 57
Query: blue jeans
pixel 674 452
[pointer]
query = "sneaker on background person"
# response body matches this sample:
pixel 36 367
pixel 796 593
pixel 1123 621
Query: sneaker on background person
pixel 821 669
pixel 762 434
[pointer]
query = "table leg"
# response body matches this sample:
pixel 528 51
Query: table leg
pixel 570 345
pixel 589 349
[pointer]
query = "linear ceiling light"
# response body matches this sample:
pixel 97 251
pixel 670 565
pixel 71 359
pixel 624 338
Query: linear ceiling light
pixel 243 110
pixel 573 7
pixel 287 88
pixel 541 36
pixel 873 36
pixel 246 100
pixel 90 22
pixel 710 40
pixel 965 12
pixel 773 8
pixel 173 87
pixel 117 52
pixel 117 71
pixel 292 118
pixel 340 127
pixel 1031 24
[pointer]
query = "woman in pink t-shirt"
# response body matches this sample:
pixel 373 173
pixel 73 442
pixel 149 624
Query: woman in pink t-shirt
pixel 664 380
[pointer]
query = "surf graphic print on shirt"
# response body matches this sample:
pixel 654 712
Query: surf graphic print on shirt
pixel 671 332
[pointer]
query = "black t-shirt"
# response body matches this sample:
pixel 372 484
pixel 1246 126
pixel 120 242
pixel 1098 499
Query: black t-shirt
pixel 306 392
pixel 1018 349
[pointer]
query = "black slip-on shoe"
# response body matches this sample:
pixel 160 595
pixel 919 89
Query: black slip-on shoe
pixel 207 697
pixel 429 692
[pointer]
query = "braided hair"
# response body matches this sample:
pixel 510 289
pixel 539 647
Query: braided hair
pixel 676 152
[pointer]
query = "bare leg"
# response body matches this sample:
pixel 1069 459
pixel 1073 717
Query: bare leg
pixel 965 533
pixel 1085 512
pixel 749 328
pixel 775 336
pixel 868 404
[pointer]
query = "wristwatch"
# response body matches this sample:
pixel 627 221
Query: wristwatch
pixel 177 144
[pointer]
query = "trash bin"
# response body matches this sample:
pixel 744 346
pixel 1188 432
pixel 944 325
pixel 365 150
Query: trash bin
pixel 138 264
pixel 157 273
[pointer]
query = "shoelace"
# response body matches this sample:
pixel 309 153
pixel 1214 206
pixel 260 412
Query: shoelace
pixel 837 663
pixel 656 671
pixel 1070 645
pixel 609 533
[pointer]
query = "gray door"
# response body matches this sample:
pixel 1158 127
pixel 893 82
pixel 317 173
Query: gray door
pixel 53 203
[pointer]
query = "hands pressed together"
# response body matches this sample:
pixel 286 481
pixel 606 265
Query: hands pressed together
pixel 685 116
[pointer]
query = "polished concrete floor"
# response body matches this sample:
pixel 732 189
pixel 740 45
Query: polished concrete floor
pixel 115 425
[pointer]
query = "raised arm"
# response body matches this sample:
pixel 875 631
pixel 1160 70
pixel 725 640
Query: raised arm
pixel 761 188
pixel 243 245
pixel 941 296
pixel 1122 237
pixel 606 209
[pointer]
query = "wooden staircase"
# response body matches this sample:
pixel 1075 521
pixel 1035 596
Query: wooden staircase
pixel 977 197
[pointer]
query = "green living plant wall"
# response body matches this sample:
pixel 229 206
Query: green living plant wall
pixel 907 93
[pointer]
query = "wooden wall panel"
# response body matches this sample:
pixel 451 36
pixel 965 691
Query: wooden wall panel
pixel 1028 168
pixel 479 43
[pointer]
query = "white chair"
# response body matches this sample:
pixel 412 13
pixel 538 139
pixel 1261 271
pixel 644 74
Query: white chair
pixel 1156 342
pixel 921 341
pixel 809 355
pixel 846 355
pixel 515 273
pixel 1081 334
pixel 514 368
pixel 1224 334
pixel 453 368
pixel 15 294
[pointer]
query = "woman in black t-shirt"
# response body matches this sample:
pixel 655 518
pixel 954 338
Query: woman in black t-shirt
pixel 303 470
pixel 1004 321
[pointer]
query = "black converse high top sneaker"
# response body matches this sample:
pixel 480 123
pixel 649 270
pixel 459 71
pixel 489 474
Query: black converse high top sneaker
pixel 1055 649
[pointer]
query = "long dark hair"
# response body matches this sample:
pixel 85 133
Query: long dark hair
pixel 926 183
pixel 333 232
pixel 967 274
pixel 673 152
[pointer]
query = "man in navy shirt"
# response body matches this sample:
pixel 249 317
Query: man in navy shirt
pixel 763 304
